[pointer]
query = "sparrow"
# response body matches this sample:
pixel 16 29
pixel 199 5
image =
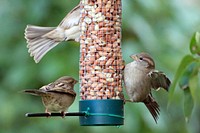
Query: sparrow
pixel 140 77
pixel 42 39
pixel 56 96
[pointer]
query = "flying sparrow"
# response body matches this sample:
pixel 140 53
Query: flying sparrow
pixel 42 39
pixel 139 77
pixel 56 96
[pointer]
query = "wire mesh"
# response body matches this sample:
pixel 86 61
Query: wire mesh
pixel 101 61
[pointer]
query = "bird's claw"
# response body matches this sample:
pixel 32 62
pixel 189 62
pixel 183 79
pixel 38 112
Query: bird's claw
pixel 63 114
pixel 49 113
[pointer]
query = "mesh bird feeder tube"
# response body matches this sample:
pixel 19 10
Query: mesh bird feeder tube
pixel 101 62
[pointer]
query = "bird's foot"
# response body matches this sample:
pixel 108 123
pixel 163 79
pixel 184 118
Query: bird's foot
pixel 63 114
pixel 49 113
pixel 128 100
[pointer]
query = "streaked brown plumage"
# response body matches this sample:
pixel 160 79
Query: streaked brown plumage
pixel 56 96
pixel 42 39
pixel 139 77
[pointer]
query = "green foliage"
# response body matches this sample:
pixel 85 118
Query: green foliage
pixel 188 77
pixel 188 104
pixel 195 44
pixel 187 60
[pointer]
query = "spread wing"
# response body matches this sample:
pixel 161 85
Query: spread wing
pixel 159 80
pixel 72 18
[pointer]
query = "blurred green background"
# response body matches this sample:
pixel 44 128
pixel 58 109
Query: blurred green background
pixel 162 28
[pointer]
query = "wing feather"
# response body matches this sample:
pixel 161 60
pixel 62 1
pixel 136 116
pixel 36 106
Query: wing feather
pixel 159 79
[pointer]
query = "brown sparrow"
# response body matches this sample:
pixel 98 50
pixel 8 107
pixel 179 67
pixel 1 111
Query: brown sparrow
pixel 56 96
pixel 42 39
pixel 139 77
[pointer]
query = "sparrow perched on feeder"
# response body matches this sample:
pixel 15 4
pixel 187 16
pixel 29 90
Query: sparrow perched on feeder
pixel 42 39
pixel 139 77
pixel 56 96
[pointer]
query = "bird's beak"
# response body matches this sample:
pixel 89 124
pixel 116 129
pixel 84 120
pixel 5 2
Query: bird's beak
pixel 134 57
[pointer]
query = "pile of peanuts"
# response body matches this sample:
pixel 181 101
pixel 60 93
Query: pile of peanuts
pixel 101 61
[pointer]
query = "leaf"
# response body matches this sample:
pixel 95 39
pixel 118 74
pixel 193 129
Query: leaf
pixel 188 104
pixel 184 80
pixel 189 84
pixel 195 44
pixel 193 83
pixel 188 59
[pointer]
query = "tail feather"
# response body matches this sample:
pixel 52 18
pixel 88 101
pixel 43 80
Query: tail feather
pixel 153 107
pixel 32 31
pixel 35 92
pixel 41 52
pixel 38 44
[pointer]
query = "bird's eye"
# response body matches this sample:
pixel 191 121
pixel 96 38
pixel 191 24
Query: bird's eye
pixel 141 58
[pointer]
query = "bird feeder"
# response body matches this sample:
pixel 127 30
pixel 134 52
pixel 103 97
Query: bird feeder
pixel 101 63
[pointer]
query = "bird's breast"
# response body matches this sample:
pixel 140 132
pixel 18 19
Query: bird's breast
pixel 136 83
pixel 58 102
pixel 72 33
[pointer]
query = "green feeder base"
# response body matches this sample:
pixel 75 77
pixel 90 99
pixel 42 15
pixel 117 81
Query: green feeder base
pixel 102 112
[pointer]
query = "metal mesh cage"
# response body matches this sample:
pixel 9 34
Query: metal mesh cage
pixel 101 61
